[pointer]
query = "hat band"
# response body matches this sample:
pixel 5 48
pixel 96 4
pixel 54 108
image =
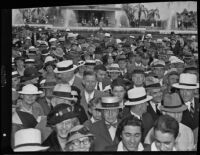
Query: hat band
pixel 15 75
pixel 62 94
pixel 90 63
pixel 156 85
pixel 32 52
pixel 172 106
pixel 65 68
pixel 49 84
pixel 138 99
pixel 27 144
pixel 107 105
pixel 187 84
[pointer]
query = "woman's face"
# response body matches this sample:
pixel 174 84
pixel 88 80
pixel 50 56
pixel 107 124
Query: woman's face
pixel 81 144
pixel 29 98
pixel 20 64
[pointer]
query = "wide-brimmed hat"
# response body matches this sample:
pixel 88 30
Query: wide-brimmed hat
pixel 77 132
pixel 158 64
pixel 114 68
pixel 30 61
pixel 64 66
pixel 28 140
pixel 109 102
pixel 90 62
pixel 148 36
pixel 152 83
pixel 187 81
pixel 30 73
pixel 49 59
pixel 30 89
pixel 137 96
pixel 32 50
pixel 60 113
pixel 15 74
pixel 172 103
pixel 63 91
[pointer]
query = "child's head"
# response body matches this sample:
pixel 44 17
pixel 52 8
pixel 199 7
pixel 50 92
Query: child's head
pixel 96 113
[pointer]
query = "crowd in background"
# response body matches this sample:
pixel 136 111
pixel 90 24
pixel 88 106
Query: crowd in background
pixel 99 92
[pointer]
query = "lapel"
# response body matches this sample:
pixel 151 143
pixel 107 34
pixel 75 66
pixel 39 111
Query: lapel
pixel 151 111
pixel 105 133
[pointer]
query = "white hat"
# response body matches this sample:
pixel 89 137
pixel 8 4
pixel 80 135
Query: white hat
pixel 15 74
pixel 52 40
pixel 48 59
pixel 28 38
pixel 132 37
pixel 27 140
pixel 97 60
pixel 118 41
pixel 107 34
pixel 148 36
pixel 193 37
pixel 63 91
pixel 109 102
pixel 159 40
pixel 67 30
pixel 90 62
pixel 177 60
pixel 72 35
pixel 32 48
pixel 187 81
pixel 64 66
pixel 158 63
pixel 30 61
pixel 30 89
pixel 137 96
pixel 114 68
pixel 81 63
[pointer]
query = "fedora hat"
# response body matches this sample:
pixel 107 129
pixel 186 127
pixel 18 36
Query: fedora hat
pixel 49 59
pixel 32 50
pixel 48 84
pixel 137 96
pixel 152 82
pixel 63 91
pixel 60 113
pixel 109 102
pixel 29 60
pixel 29 74
pixel 15 74
pixel 28 140
pixel 158 64
pixel 187 81
pixel 30 89
pixel 172 103
pixel 90 62
pixel 58 52
pixel 77 132
pixel 114 68
pixel 64 66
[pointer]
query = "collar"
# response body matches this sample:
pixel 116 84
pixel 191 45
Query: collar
pixel 111 123
pixel 120 147
pixel 87 95
pixel 72 81
pixel 92 119
pixel 188 104
pixel 136 64
pixel 154 105
pixel 154 148
pixel 139 117
pixel 14 89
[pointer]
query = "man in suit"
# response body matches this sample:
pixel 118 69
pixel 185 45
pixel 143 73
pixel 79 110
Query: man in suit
pixel 105 129
pixel 89 91
pixel 65 74
pixel 187 85
pixel 102 79
pixel 137 106
pixel 154 89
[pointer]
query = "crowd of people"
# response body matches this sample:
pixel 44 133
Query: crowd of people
pixel 98 92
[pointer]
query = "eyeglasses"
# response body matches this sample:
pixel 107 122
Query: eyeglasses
pixel 82 130
pixel 85 141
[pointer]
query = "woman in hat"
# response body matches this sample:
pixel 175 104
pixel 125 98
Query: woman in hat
pixel 105 129
pixel 80 139
pixel 61 119
pixel 173 107
pixel 129 132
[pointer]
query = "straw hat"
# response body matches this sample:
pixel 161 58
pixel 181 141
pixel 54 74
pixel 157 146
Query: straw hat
pixel 64 66
pixel 30 89
pixel 107 35
pixel 58 52
pixel 48 84
pixel 52 40
pixel 172 103
pixel 29 60
pixel 137 96
pixel 63 91
pixel 27 140
pixel 187 81
pixel 77 132
pixel 109 102
pixel 15 74
pixel 90 62
pixel 48 59
pixel 114 68
pixel 158 64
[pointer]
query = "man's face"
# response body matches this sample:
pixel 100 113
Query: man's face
pixel 110 60
pixel 110 115
pixel 96 113
pixel 29 98
pixel 15 81
pixel 89 68
pixel 20 63
pixel 164 141
pixel 157 95
pixel 122 64
pixel 90 82
pixel 131 137
pixel 119 91
pixel 138 79
pixel 114 75
pixel 138 58
pixel 64 127
pixel 187 94
pixel 159 71
pixel 48 92
pixel 141 108
pixel 173 79
pixel 74 47
pixel 101 75
pixel 65 77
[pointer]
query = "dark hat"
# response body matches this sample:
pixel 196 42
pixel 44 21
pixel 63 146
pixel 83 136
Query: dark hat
pixel 45 52
pixel 138 71
pixel 19 58
pixel 30 73
pixel 80 37
pixel 60 113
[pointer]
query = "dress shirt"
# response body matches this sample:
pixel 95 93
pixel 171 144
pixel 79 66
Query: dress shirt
pixel 120 147
pixel 189 105
pixel 154 105
pixel 112 130
pixel 71 81
pixel 134 114
pixel 88 96
pixel 100 86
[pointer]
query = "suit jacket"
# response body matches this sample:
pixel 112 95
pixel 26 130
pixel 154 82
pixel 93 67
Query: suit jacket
pixel 152 112
pixel 78 83
pixel 188 120
pixel 43 102
pixel 106 82
pixel 84 103
pixel 103 138
pixel 147 147
pixel 147 120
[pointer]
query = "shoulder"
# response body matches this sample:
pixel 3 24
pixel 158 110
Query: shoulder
pixel 111 148
pixel 147 147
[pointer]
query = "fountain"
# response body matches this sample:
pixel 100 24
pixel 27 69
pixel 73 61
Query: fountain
pixel 69 18
pixel 17 17
pixel 121 18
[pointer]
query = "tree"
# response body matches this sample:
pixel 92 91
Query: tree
pixel 153 15
pixel 129 12
pixel 138 11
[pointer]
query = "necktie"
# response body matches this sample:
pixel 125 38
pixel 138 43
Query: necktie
pixel 98 88
pixel 191 110
pixel 157 111
pixel 111 124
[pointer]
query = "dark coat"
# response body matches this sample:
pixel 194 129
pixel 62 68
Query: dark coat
pixel 52 142
pixel 188 120
pixel 147 120
pixel 102 136
pixel 152 112
pixel 82 114
pixel 43 102
pixel 147 147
